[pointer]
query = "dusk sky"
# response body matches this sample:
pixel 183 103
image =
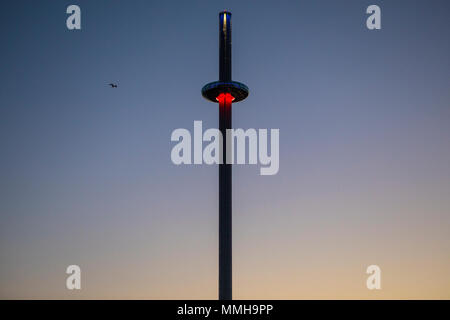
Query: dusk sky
pixel 86 176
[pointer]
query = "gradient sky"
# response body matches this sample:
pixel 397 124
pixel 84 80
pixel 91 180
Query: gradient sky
pixel 85 170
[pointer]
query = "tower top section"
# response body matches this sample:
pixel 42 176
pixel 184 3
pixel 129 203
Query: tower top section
pixel 212 90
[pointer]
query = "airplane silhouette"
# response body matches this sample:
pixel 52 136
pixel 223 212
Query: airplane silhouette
pixel 113 85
